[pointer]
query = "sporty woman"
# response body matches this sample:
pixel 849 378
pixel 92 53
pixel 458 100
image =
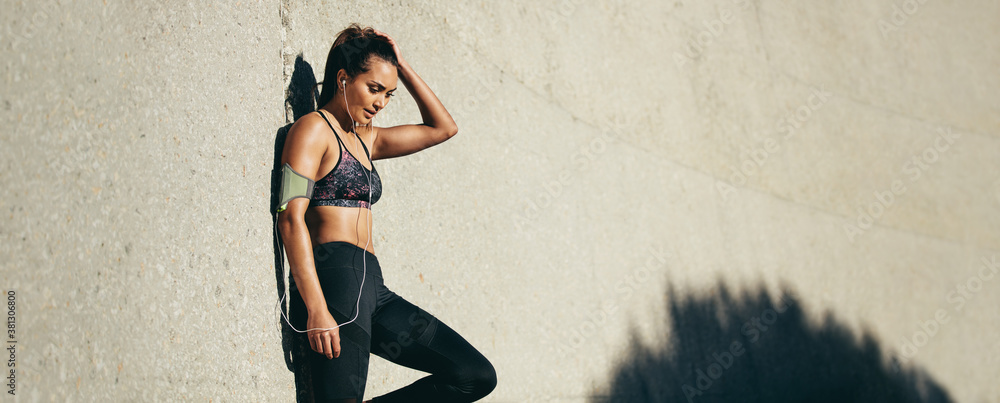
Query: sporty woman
pixel 337 295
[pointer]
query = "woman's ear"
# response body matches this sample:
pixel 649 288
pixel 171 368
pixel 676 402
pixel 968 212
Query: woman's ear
pixel 341 77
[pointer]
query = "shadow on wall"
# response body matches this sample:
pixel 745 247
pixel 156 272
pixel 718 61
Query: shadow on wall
pixel 300 99
pixel 753 348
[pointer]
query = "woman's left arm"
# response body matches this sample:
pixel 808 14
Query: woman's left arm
pixel 437 127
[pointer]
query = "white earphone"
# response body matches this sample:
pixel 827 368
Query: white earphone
pixel 364 260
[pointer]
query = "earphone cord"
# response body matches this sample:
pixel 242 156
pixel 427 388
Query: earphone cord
pixel 281 246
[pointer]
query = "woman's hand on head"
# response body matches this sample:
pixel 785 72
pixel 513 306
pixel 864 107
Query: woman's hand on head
pixel 326 342
pixel 395 47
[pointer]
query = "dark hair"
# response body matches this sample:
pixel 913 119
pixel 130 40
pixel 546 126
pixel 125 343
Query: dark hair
pixel 353 51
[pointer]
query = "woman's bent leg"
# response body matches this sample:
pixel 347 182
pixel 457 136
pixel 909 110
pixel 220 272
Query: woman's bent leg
pixel 407 335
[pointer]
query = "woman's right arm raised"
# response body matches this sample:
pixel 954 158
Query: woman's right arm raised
pixel 305 145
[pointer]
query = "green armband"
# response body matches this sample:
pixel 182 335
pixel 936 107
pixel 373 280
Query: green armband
pixel 293 185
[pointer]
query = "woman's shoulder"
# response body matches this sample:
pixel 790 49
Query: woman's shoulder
pixel 309 131
pixel 309 122
pixel 310 127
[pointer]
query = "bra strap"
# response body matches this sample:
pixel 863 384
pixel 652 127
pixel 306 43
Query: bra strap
pixel 341 142
pixel 366 148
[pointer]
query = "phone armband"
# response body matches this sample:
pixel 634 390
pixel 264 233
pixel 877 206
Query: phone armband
pixel 293 185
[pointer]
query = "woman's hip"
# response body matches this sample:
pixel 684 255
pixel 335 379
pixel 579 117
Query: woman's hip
pixel 339 254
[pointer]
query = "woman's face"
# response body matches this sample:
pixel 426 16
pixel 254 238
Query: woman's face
pixel 369 92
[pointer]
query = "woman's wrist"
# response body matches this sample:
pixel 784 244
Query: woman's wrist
pixel 404 69
pixel 316 308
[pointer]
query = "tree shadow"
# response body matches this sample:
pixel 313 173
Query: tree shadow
pixel 755 348
pixel 300 98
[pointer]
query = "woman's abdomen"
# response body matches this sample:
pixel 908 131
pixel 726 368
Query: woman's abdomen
pixel 335 223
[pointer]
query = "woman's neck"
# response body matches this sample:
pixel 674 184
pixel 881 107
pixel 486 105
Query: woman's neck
pixel 344 121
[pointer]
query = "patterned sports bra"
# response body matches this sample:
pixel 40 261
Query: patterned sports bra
pixel 346 185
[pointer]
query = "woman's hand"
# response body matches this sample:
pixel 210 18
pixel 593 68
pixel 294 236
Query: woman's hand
pixel 326 342
pixel 395 47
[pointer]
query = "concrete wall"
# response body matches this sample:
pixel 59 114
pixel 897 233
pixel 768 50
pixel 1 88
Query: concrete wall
pixel 704 201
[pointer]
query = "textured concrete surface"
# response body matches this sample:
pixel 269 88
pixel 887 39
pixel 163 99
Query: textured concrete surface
pixel 636 192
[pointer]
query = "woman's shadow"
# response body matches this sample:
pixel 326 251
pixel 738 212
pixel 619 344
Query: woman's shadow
pixel 300 98
pixel 755 348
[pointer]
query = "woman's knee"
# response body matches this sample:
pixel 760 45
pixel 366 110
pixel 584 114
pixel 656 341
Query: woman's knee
pixel 479 379
pixel 487 379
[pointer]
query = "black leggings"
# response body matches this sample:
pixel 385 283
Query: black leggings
pixel 390 327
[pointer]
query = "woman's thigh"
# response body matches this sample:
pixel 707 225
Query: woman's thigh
pixel 342 377
pixel 350 293
pixel 407 335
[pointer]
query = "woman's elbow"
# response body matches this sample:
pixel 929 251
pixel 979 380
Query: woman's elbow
pixel 288 223
pixel 451 130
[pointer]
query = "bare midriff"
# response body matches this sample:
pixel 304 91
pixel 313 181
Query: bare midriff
pixel 336 223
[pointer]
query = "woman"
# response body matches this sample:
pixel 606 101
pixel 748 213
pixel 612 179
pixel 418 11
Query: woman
pixel 337 291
